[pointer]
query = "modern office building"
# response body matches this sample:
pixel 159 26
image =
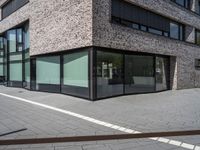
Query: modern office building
pixel 97 49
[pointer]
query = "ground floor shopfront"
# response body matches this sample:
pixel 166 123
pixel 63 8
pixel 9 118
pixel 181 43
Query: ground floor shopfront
pixel 91 73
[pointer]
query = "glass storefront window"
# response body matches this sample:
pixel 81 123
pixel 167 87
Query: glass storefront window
pixel 139 74
pixel 48 70
pixel 76 74
pixel 16 71
pixel 76 69
pixel 109 74
pixel 15 57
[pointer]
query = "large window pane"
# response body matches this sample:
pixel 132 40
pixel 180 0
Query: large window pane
pixel 75 74
pixel 176 31
pixel 48 70
pixel 76 69
pixel 16 71
pixel 12 40
pixel 15 64
pixel 139 74
pixel 162 73
pixel 109 74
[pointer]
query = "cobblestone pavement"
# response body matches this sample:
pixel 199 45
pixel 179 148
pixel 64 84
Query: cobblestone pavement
pixel 166 111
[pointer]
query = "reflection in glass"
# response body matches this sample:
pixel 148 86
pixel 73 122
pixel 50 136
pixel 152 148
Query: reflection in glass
pixel 174 30
pixel 109 74
pixel 12 40
pixel 16 71
pixel 76 74
pixel 48 70
pixel 139 74
pixel 197 37
pixel 76 69
pixel 15 57
pixel 161 73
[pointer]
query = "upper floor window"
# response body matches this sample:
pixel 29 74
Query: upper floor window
pixel 183 3
pixel 197 37
pixel 18 39
pixel 197 64
pixel 11 6
pixel 135 17
pixel 176 31
pixel 15 42
pixel 199 7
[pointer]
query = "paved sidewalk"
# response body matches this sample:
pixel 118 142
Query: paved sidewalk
pixel 166 111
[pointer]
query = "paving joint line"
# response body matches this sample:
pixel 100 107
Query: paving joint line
pixel 106 124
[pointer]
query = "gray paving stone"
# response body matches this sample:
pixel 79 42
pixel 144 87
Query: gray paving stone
pixel 166 111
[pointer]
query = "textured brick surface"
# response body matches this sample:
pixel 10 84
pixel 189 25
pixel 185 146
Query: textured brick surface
pixel 115 36
pixel 55 25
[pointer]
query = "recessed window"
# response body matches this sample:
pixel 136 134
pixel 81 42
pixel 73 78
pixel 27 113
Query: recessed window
pixel 11 6
pixel 183 3
pixel 197 38
pixel 197 64
pixel 135 17
pixel 176 31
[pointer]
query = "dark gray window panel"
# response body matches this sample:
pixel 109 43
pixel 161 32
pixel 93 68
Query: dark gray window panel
pixel 109 74
pixel 183 3
pixel 127 11
pixel 197 64
pixel 11 6
pixel 197 37
pixel 139 74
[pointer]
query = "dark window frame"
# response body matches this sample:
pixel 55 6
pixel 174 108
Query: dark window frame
pixel 180 37
pixel 197 64
pixel 196 40
pixel 95 49
pixel 187 4
pixel 165 31
pixel 12 9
